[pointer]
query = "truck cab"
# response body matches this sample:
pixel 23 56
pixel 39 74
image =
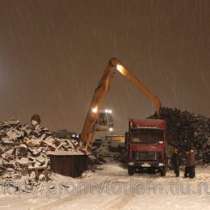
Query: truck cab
pixel 146 146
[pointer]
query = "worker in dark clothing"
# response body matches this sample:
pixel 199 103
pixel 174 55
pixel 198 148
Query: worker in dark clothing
pixel 186 170
pixel 175 162
pixel 35 120
pixel 190 164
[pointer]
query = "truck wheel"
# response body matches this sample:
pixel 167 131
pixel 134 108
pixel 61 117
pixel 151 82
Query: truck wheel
pixel 130 171
pixel 163 172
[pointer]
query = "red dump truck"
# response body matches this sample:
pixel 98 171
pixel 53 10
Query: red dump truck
pixel 146 146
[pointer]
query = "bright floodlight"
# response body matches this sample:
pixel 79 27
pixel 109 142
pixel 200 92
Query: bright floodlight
pixel 108 111
pixel 95 109
pixel 111 129
pixel 121 69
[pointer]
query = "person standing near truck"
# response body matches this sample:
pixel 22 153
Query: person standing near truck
pixel 190 164
pixel 175 162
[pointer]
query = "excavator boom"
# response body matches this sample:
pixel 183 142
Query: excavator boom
pixel 101 91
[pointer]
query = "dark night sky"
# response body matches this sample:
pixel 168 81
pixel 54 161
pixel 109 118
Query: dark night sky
pixel 52 53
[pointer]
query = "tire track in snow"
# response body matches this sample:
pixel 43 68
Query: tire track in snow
pixel 57 203
pixel 92 202
pixel 122 202
pixel 67 199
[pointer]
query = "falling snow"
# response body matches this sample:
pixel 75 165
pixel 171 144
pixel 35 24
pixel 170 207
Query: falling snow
pixel 53 53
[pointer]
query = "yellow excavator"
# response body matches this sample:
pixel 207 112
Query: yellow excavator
pixel 114 65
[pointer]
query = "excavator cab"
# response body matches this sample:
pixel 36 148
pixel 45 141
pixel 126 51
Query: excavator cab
pixel 105 121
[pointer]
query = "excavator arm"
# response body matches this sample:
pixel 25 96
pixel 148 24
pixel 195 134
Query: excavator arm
pixel 101 91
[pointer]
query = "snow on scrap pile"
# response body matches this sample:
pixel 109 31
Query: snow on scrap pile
pixel 24 149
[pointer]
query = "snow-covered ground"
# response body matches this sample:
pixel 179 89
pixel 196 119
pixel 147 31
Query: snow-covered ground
pixel 112 189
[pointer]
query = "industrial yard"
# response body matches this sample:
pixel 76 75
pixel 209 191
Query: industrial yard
pixel 28 180
pixel 104 105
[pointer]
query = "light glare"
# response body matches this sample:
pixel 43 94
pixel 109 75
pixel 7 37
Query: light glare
pixel 111 129
pixel 95 109
pixel 121 69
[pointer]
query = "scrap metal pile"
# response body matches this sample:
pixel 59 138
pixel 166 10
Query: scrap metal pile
pixel 105 150
pixel 187 130
pixel 24 150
